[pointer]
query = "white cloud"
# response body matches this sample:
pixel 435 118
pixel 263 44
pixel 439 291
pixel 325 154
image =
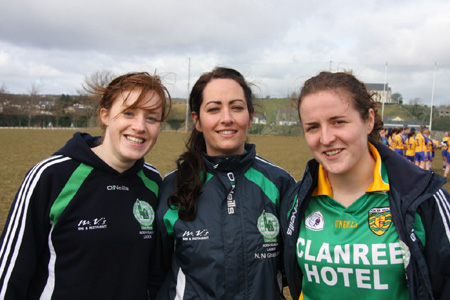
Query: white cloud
pixel 277 44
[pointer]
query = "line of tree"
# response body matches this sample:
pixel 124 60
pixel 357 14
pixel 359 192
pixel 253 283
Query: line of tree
pixel 79 110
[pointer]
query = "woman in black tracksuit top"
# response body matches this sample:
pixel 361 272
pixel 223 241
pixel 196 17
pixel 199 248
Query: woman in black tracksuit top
pixel 219 211
pixel 82 223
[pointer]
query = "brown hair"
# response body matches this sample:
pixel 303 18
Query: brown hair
pixel 142 81
pixel 347 83
pixel 191 174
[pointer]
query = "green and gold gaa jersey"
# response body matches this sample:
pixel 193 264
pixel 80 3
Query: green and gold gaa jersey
pixel 353 252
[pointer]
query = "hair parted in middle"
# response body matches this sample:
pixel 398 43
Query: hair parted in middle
pixel 191 174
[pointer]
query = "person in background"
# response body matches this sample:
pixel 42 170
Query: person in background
pixel 447 167
pixel 82 223
pixel 444 147
pixel 390 133
pixel 353 226
pixel 383 136
pixel 411 145
pixel 398 142
pixel 219 210
pixel 428 149
pixel 404 136
pixel 436 146
pixel 420 156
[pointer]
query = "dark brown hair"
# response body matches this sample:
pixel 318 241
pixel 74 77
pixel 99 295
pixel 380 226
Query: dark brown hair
pixel 191 174
pixel 346 83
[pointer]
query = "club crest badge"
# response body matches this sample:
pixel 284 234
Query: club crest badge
pixel 380 219
pixel 144 214
pixel 268 226
pixel 315 221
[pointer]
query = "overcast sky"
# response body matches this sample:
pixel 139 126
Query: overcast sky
pixel 276 44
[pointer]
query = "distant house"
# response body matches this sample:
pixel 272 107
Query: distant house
pixel 259 118
pixel 444 112
pixel 81 106
pixel 384 91
pixel 287 116
pixel 46 103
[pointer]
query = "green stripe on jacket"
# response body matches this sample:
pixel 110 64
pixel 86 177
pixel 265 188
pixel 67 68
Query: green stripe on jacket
pixel 68 192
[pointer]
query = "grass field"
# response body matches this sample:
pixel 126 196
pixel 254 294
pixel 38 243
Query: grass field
pixel 21 149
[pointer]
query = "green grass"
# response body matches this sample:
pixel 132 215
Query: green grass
pixel 270 107
pixel 21 149
pixel 395 110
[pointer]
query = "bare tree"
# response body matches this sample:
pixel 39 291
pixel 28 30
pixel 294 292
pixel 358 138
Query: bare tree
pixel 3 89
pixel 91 87
pixel 33 102
pixel 414 101
pixel 3 92
pixel 97 79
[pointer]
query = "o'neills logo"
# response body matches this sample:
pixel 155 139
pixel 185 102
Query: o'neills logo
pixel 291 228
pixel 117 188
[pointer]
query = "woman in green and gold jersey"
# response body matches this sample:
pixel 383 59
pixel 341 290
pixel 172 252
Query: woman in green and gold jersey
pixel 363 223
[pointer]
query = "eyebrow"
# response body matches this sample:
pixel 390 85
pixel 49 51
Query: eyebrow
pixel 330 119
pixel 220 102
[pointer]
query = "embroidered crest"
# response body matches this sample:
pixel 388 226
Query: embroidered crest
pixel 315 221
pixel 268 226
pixel 380 219
pixel 144 214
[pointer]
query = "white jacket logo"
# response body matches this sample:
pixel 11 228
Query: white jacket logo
pixel 269 227
pixel 197 235
pixel 117 188
pixel 231 203
pixel 292 219
pixel 144 214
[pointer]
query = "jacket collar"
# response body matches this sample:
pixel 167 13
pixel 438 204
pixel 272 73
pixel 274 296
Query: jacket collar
pixel 79 149
pixel 409 180
pixel 231 163
pixel 380 179
pixel 406 178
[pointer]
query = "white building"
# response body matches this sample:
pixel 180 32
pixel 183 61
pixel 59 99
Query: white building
pixel 384 91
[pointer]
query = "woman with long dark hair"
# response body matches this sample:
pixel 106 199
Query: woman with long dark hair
pixel 219 211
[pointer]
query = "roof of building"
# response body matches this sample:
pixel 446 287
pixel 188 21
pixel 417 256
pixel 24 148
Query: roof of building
pixel 377 86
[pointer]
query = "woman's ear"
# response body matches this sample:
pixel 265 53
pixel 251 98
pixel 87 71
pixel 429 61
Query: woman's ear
pixel 250 122
pixel 196 121
pixel 104 116
pixel 371 121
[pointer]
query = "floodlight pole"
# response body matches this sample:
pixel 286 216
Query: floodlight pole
pixel 187 98
pixel 432 95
